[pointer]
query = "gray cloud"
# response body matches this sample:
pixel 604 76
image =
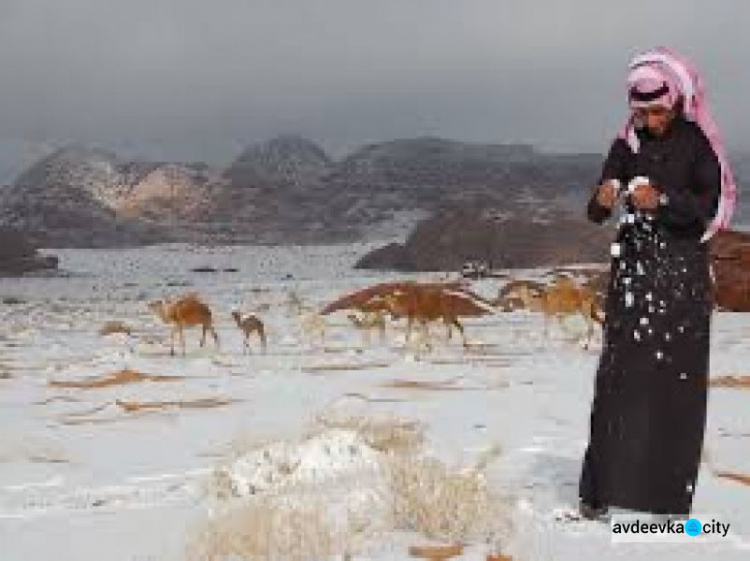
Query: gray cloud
pixel 198 78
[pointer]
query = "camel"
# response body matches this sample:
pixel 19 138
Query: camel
pixel 520 294
pixel 294 303
pixel 429 303
pixel 368 320
pixel 598 282
pixel 313 325
pixel 186 311
pixel 250 324
pixel 563 297
pixel 371 298
pixel 422 302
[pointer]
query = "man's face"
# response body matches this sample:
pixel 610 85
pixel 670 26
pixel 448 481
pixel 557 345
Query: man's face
pixel 656 119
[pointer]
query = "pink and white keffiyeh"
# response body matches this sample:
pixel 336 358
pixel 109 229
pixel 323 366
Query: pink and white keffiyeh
pixel 660 77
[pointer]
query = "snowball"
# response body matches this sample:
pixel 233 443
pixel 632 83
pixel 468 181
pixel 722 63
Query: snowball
pixel 628 299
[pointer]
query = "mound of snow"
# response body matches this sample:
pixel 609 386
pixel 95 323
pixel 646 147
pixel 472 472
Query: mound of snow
pixel 336 475
pixel 329 459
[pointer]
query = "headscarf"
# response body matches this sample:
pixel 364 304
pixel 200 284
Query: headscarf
pixel 650 86
pixel 661 77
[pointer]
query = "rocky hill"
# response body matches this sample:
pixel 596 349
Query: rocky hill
pixel 522 237
pixel 286 190
pixel 83 197
pixel 283 162
pixel 65 200
pixel 18 255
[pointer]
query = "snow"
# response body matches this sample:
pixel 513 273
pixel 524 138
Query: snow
pixel 317 461
pixel 629 298
pixel 83 478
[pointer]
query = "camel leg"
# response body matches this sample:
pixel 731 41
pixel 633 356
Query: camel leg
pixel 366 335
pixel 426 334
pixel 381 329
pixel 246 345
pixel 460 328
pixel 263 342
pixel 589 333
pixel 181 333
pixel 590 327
pixel 204 329
pixel 419 340
pixel 561 323
pixel 171 340
pixel 215 336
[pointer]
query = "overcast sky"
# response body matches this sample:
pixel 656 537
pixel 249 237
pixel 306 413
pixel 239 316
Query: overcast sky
pixel 197 79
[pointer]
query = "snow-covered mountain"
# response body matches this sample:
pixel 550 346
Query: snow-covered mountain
pixel 287 190
pixel 290 161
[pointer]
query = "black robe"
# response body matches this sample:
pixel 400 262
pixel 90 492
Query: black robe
pixel 649 409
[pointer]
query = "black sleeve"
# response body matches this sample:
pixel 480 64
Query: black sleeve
pixel 615 167
pixel 699 202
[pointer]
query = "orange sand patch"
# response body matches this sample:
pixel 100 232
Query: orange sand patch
pixel 201 403
pixel 735 382
pixel 113 327
pixel 435 552
pixel 736 477
pixel 315 369
pixel 447 385
pixel 120 378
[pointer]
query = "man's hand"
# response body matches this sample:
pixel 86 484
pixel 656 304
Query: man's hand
pixel 606 194
pixel 645 197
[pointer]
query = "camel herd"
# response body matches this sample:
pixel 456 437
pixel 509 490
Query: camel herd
pixel 420 303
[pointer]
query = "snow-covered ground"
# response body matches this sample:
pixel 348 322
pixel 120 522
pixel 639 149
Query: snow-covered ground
pixel 123 471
